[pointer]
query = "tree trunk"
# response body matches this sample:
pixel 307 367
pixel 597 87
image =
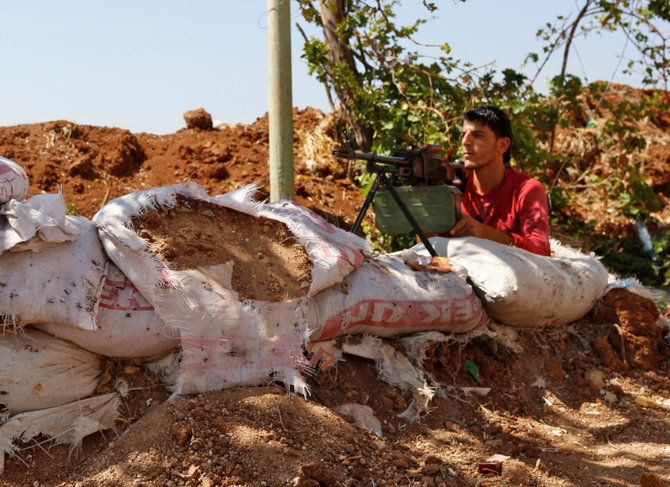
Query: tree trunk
pixel 339 51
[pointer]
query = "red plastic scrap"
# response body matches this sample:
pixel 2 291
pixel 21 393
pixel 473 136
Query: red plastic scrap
pixel 492 465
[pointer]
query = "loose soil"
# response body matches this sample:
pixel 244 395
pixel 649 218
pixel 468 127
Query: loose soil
pixel 268 263
pixel 583 405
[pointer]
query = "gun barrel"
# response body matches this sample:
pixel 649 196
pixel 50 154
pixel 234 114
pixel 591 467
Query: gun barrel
pixel 369 156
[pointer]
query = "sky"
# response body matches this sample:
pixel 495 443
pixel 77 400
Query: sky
pixel 140 64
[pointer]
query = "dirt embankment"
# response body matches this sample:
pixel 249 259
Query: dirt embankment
pixel 586 404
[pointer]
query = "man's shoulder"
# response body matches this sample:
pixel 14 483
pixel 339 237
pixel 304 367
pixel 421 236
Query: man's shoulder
pixel 521 178
pixel 524 186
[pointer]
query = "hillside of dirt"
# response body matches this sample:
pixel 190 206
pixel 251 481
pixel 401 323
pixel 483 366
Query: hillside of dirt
pixel 582 405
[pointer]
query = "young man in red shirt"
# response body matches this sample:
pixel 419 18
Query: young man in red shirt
pixel 499 203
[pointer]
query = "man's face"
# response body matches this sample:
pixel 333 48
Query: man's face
pixel 480 145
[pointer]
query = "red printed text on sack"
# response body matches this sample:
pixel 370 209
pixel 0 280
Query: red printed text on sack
pixel 401 314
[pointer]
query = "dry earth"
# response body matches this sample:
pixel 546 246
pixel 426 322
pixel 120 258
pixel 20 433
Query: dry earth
pixel 583 405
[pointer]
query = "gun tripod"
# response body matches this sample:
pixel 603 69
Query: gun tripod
pixel 382 180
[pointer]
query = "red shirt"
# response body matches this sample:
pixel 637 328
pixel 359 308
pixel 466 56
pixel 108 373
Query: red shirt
pixel 517 207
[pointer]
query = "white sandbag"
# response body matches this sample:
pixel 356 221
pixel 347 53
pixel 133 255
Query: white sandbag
pixel 40 371
pixel 13 181
pixel 385 297
pixel 61 283
pixel 63 424
pixel 333 252
pixel 128 326
pixel 520 288
pixel 38 222
pixel 227 341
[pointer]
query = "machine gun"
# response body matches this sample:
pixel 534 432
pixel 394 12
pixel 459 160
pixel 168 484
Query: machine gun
pixel 429 183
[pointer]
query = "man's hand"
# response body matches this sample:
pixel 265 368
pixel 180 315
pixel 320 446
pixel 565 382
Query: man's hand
pixel 469 227
pixel 440 264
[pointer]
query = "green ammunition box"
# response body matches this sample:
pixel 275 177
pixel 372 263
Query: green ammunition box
pixel 435 208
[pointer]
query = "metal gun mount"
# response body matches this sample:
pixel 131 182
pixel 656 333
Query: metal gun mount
pixel 411 168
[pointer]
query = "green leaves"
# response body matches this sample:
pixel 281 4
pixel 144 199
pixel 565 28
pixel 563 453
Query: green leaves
pixel 660 8
pixel 402 94
pixel 474 371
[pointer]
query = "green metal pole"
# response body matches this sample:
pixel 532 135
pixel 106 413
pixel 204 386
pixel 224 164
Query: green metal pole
pixel 281 103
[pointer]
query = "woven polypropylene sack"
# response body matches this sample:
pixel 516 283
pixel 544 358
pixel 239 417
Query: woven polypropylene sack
pixel 385 297
pixel 13 181
pixel 521 288
pixel 39 371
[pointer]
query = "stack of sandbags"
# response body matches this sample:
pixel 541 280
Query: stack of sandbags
pixel 237 286
pixel 55 275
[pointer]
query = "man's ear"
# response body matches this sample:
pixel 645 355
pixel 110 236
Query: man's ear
pixel 503 144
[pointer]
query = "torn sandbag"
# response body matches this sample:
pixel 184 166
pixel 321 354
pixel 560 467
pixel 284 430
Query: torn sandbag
pixel 127 325
pixel 166 368
pixel 333 252
pixel 520 288
pixel 40 221
pixel 60 283
pixel 63 424
pixel 40 371
pixel 323 354
pixel 385 297
pixel 230 274
pixel 395 369
pixel 14 182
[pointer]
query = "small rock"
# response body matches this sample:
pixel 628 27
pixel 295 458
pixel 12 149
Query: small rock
pixel 433 460
pixel 181 434
pixel 430 469
pixel 596 378
pixel 400 461
pixel 610 397
pixel 651 480
pixel 494 443
pixel 198 119
pixel 220 424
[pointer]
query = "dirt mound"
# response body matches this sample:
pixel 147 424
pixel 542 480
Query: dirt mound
pixel 581 405
pixel 93 165
pixel 268 265
pixel 636 336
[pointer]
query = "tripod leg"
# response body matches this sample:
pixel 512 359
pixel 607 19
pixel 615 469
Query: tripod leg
pixel 409 216
pixel 366 204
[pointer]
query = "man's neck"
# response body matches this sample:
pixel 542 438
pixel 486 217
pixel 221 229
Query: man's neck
pixel 488 177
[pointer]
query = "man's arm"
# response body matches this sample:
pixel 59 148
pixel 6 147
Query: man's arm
pixel 469 227
pixel 533 215
pixel 530 210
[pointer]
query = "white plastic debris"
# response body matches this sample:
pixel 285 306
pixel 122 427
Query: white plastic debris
pixel 395 369
pixel 363 416
pixel 64 424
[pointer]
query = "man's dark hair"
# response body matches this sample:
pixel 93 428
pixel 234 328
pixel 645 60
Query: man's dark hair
pixel 496 120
